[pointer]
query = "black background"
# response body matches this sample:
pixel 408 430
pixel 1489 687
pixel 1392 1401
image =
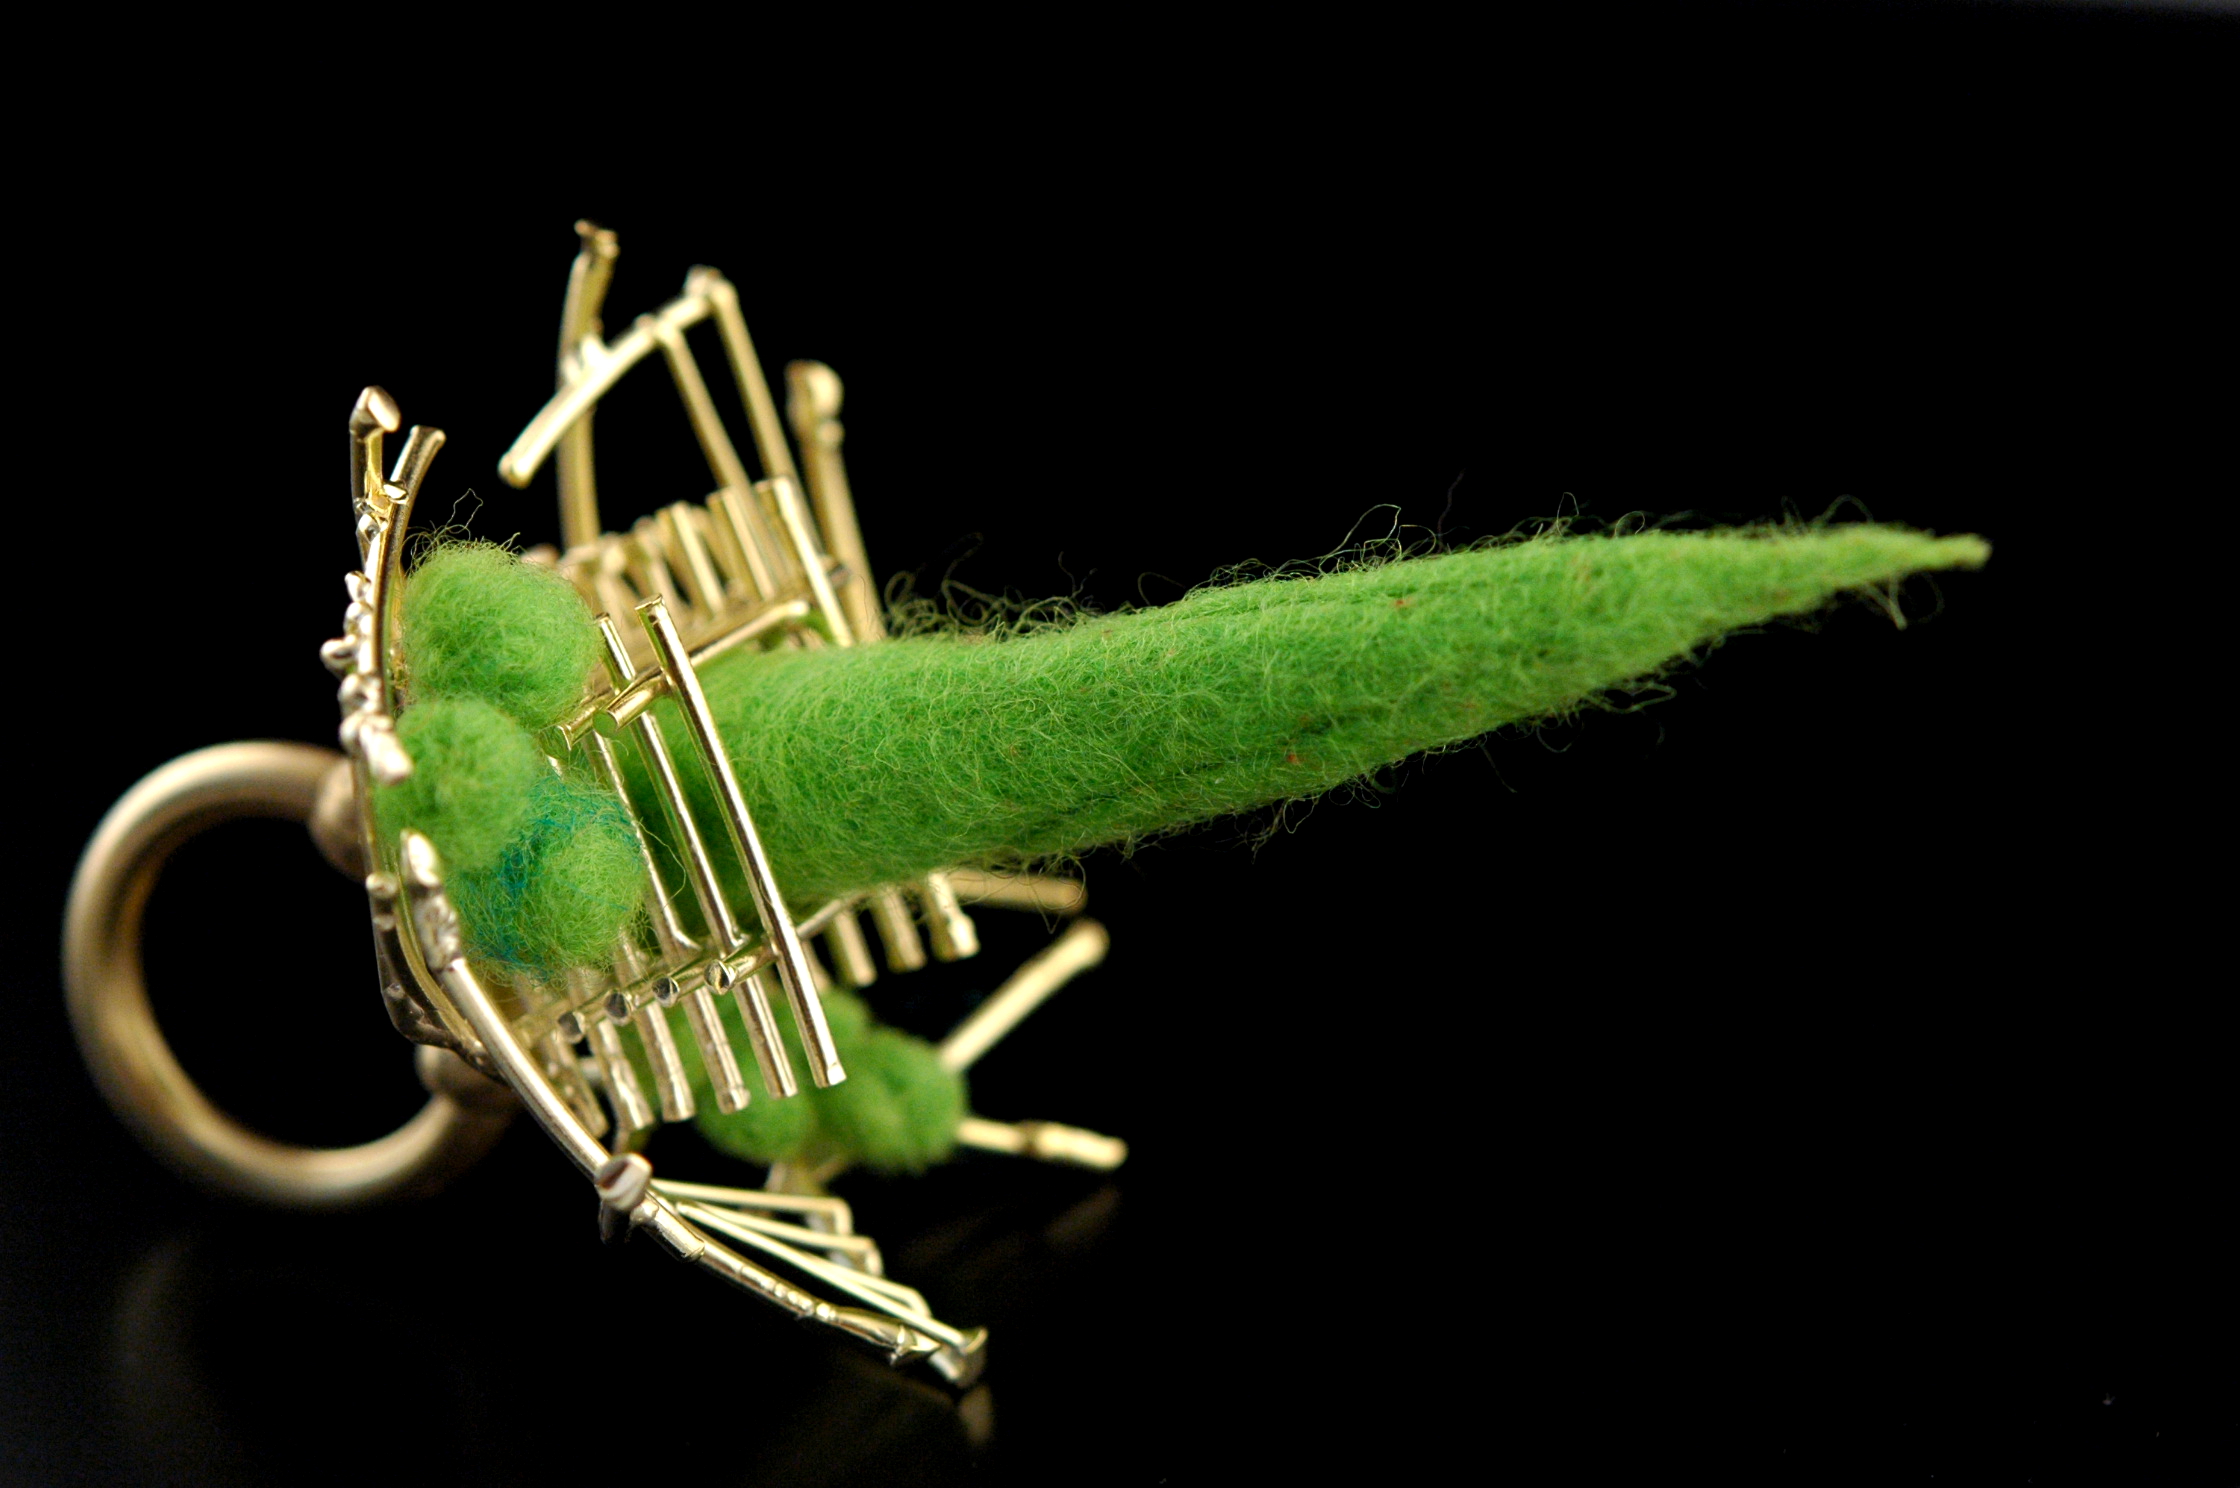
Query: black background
pixel 1820 1072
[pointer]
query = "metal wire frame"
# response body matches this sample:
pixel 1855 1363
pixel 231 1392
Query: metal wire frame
pixel 749 567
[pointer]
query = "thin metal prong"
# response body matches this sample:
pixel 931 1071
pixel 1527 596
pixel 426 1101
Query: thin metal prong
pixel 746 370
pixel 1045 1141
pixel 898 932
pixel 706 1022
pixel 851 953
pixel 1037 891
pixel 669 1080
pixel 792 962
pixel 1081 947
pixel 624 1095
pixel 763 1041
pixel 723 460
pixel 949 928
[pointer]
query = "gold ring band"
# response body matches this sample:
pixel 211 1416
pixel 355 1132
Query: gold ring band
pixel 116 1028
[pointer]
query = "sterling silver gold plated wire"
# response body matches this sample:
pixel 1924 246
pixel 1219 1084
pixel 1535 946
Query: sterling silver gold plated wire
pixel 769 562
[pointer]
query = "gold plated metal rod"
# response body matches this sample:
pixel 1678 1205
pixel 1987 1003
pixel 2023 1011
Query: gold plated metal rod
pixel 794 517
pixel 791 960
pixel 763 1041
pixel 887 1296
pixel 851 954
pixel 1081 947
pixel 707 426
pixel 813 394
pixel 423 884
pixel 706 1022
pixel 632 1112
pixel 557 1057
pixel 751 535
pixel 1063 896
pixel 1045 1141
pixel 680 534
pixel 519 465
pixel 833 1214
pixel 588 277
pixel 898 932
pixel 374 415
pixel 676 945
pixel 618 711
pixel 950 929
pixel 746 370
pixel 670 1082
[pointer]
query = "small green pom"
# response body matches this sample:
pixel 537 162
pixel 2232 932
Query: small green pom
pixel 897 1112
pixel 769 1130
pixel 473 769
pixel 565 888
pixel 478 622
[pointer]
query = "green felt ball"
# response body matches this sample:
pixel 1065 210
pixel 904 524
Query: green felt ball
pixel 480 623
pixel 896 1112
pixel 473 772
pixel 565 888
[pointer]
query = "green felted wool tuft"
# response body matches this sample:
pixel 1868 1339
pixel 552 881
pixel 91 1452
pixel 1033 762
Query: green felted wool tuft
pixel 480 623
pixel 473 772
pixel 882 762
pixel 896 1112
pixel 564 889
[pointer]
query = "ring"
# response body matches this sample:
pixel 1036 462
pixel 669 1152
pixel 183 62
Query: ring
pixel 133 1065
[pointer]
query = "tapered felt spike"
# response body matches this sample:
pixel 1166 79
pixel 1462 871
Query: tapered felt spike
pixel 879 763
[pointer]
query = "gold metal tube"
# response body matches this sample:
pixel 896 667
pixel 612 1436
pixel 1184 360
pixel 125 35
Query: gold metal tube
pixel 624 1095
pixel 519 465
pixel 746 370
pixel 813 393
pixel 669 1080
pixel 898 932
pixel 1065 958
pixel 792 962
pixel 706 1022
pixel 723 460
pixel 851 954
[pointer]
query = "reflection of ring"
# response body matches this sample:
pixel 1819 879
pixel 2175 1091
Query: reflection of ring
pixel 117 1029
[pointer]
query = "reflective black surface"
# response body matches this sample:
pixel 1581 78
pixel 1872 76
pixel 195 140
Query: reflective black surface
pixel 1820 1073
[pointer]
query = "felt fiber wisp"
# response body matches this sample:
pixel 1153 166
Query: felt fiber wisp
pixel 880 763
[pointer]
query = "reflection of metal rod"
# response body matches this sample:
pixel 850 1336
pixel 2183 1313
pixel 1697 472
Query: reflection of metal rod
pixel 1065 958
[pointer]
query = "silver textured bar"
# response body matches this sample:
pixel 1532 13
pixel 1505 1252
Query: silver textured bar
pixel 791 961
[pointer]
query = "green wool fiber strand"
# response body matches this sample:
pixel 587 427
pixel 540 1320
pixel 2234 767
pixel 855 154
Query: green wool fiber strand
pixel 896 1112
pixel 563 889
pixel 473 773
pixel 878 763
pixel 480 623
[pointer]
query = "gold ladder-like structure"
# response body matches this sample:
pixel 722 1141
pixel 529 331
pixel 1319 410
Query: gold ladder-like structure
pixel 749 567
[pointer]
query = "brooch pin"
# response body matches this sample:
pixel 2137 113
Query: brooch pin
pixel 623 808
